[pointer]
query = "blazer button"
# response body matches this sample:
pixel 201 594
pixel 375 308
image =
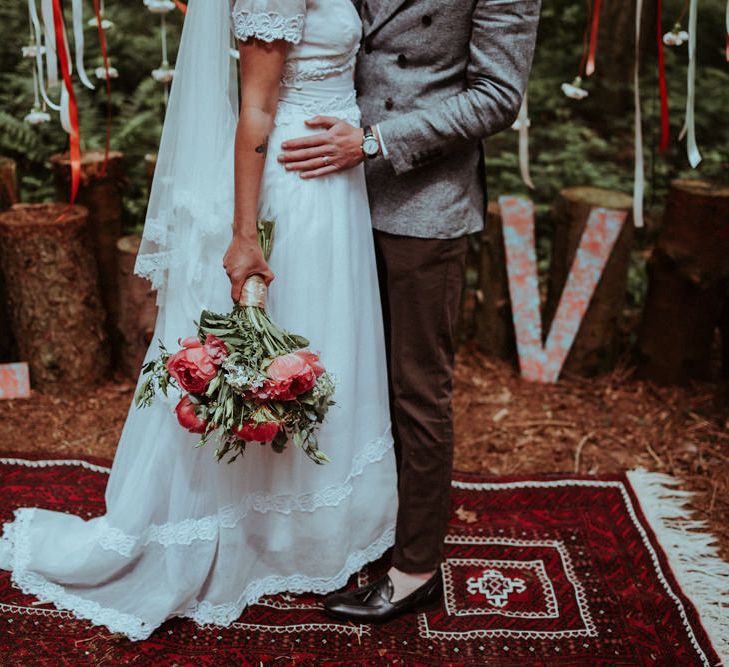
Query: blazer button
pixel 402 61
pixel 427 21
pixel 389 104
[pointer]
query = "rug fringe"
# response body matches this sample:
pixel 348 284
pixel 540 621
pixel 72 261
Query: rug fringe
pixel 692 552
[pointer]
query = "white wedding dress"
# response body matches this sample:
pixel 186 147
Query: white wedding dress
pixel 185 535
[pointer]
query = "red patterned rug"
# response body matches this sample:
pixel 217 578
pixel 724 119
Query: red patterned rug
pixel 539 571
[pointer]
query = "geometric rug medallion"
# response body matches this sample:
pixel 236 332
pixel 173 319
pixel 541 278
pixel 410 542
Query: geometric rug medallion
pixel 538 571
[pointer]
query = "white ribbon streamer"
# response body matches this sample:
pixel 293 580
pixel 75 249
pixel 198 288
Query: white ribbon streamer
pixel 639 178
pixel 689 125
pixel 50 42
pixel 78 42
pixel 35 21
pixel 523 123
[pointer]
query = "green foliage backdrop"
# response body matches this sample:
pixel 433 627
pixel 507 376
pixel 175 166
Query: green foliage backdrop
pixel 571 142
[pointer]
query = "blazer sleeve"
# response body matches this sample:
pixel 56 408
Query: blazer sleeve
pixel 500 55
pixel 268 20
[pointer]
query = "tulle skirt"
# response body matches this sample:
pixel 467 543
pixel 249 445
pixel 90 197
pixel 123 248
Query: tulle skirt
pixel 187 536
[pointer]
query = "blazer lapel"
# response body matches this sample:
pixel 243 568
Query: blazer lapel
pixel 386 10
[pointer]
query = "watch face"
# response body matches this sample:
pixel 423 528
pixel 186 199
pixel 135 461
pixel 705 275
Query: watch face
pixel 371 146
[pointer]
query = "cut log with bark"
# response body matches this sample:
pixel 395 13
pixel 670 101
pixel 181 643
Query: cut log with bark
pixel 137 308
pixel 100 192
pixel 494 324
pixel 595 349
pixel 8 197
pixel 56 314
pixel 688 273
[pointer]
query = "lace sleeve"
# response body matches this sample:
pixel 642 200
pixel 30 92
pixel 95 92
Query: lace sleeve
pixel 269 20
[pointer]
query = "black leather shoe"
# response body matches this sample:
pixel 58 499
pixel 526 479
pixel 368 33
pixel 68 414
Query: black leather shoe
pixel 373 603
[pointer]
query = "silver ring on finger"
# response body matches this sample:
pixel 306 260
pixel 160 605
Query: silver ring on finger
pixel 326 160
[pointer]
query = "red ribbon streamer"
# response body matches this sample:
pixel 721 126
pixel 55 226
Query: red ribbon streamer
pixel 590 67
pixel 105 55
pixel 181 6
pixel 75 134
pixel 663 90
pixel 585 44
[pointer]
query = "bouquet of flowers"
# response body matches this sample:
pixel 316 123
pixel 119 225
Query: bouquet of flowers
pixel 245 378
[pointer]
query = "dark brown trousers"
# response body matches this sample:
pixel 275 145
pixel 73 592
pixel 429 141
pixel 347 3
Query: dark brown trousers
pixel 421 281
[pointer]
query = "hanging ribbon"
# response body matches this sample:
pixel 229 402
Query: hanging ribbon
pixel 78 42
pixel 727 31
pixel 662 88
pixel 50 42
pixel 585 43
pixel 107 78
pixel 74 133
pixel 590 66
pixel 34 19
pixel 639 177
pixel 689 125
pixel 181 6
pixel 522 125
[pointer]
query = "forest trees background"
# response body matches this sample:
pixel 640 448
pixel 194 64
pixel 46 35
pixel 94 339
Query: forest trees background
pixel 572 143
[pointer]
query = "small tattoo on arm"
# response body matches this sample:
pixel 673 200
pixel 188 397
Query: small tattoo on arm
pixel 263 148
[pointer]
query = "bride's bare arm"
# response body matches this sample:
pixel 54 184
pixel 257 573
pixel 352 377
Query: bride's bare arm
pixel 261 65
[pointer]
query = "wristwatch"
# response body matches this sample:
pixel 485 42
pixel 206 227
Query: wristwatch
pixel 370 143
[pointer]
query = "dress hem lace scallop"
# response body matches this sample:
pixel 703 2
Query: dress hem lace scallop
pixel 16 541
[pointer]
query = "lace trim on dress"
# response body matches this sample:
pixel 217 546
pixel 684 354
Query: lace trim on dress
pixel 207 528
pixel 203 613
pixel 268 26
pixel 299 71
pixel 343 106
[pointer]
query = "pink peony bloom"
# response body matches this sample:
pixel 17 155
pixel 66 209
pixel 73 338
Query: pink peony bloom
pixel 292 375
pixel 216 348
pixel 192 367
pixel 265 432
pixel 188 418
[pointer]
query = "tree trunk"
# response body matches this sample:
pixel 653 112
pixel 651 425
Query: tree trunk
pixel 55 309
pixel 137 308
pixel 8 197
pixel 596 345
pixel 101 194
pixel 494 325
pixel 687 289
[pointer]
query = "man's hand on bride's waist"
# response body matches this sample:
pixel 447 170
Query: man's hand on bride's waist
pixel 339 147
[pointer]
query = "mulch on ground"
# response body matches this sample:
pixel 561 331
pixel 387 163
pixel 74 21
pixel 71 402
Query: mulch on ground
pixel 504 426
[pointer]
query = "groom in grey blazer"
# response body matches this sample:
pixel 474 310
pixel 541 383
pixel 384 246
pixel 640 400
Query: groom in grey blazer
pixel 434 78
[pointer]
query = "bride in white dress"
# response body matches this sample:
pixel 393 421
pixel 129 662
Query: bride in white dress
pixel 184 535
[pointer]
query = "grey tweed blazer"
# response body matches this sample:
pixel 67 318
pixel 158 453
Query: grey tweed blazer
pixel 438 76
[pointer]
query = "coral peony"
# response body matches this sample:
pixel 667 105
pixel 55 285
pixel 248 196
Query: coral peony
pixel 192 367
pixel 216 348
pixel 292 375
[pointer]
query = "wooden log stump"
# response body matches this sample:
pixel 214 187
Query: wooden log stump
pixel 595 349
pixel 137 308
pixel 8 197
pixel 101 194
pixel 55 308
pixel 688 271
pixel 494 323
